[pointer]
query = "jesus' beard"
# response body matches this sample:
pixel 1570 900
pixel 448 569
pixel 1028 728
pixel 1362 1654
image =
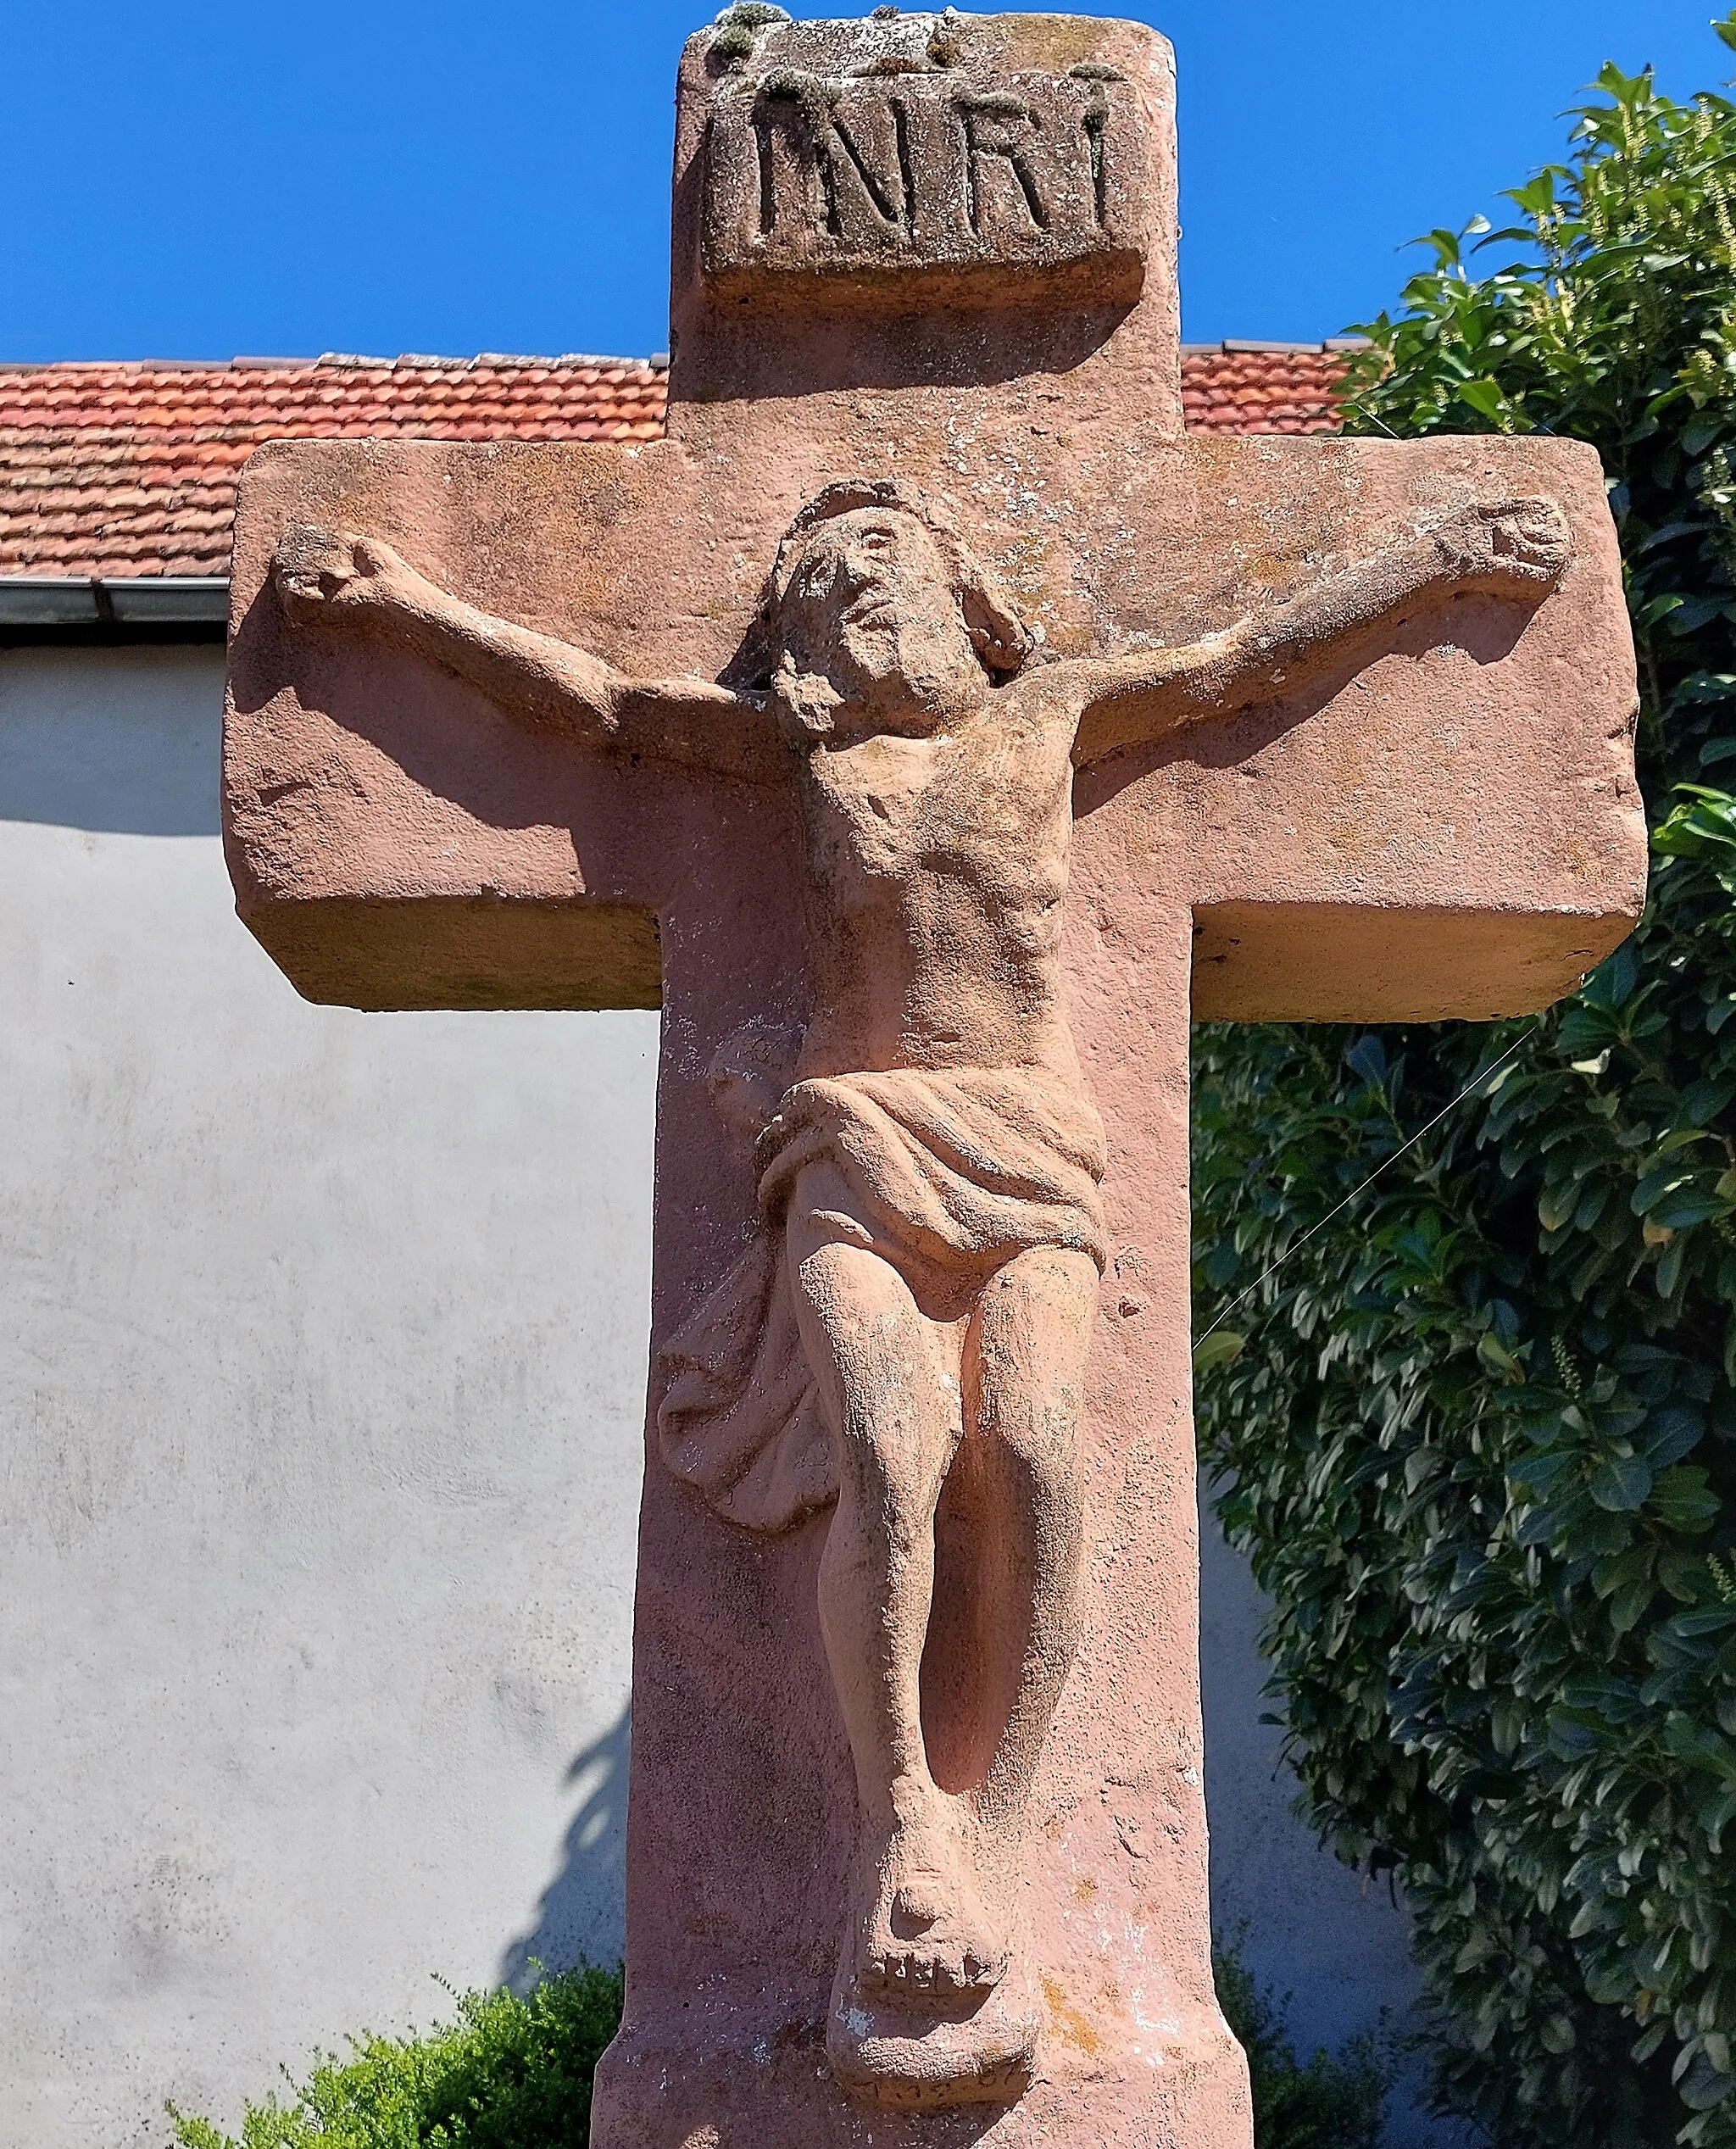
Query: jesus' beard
pixel 896 679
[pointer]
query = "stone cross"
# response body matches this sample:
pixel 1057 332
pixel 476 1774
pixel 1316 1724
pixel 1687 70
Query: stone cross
pixel 923 725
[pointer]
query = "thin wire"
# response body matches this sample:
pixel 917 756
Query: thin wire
pixel 1296 1248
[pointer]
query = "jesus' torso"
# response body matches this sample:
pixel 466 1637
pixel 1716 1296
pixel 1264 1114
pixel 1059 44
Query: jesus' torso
pixel 937 878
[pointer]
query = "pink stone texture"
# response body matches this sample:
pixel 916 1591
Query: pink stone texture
pixel 926 724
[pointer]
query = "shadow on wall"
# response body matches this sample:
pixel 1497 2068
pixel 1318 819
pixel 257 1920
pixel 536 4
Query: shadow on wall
pixel 592 1861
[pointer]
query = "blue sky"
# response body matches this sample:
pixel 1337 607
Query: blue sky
pixel 183 179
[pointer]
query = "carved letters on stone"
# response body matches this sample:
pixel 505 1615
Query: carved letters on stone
pixel 870 178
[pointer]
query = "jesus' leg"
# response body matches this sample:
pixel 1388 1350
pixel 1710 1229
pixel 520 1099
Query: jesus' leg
pixel 889 1376
pixel 1024 1377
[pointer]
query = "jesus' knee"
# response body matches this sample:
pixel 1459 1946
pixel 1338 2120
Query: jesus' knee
pixel 889 1384
pixel 1024 1380
pixel 1025 1360
pixel 894 1448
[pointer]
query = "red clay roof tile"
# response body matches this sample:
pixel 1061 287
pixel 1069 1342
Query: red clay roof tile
pixel 1232 390
pixel 122 470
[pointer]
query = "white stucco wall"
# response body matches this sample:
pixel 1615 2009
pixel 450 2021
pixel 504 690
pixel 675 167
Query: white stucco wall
pixel 322 1345
pixel 322 1348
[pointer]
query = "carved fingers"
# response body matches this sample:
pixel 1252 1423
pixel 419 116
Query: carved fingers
pixel 1517 542
pixel 321 574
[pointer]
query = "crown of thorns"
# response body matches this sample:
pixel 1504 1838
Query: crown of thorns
pixel 996 634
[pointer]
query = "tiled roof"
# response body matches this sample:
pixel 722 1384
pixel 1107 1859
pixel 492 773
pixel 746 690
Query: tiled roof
pixel 1263 387
pixel 118 471
pixel 130 470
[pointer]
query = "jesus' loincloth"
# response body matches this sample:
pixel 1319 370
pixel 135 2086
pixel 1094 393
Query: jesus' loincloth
pixel 952 1173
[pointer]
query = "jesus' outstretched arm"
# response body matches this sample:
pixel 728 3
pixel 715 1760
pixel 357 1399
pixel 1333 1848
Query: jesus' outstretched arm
pixel 362 584
pixel 1519 549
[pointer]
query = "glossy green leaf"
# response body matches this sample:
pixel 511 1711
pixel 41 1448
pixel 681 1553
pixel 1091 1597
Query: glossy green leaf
pixel 1217 1349
pixel 1622 1485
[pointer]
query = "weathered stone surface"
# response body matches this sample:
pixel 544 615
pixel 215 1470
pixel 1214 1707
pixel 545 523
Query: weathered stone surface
pixel 894 162
pixel 951 714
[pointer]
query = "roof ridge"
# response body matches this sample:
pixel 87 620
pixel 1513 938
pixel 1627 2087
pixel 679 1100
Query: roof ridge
pixel 1232 346
pixel 418 361
pixel 495 361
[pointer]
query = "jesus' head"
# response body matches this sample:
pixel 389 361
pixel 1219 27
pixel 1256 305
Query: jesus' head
pixel 878 605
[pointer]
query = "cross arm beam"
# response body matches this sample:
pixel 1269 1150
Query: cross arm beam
pixel 1434 816
pixel 406 831
pixel 1431 812
pixel 329 579
pixel 1516 549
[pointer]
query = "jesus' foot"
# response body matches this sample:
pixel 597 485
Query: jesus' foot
pixel 929 1936
pixel 932 2006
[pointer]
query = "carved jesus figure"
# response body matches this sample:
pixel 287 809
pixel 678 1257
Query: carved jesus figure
pixel 913 1316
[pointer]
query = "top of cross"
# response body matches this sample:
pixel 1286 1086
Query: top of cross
pixel 939 249
pixel 923 199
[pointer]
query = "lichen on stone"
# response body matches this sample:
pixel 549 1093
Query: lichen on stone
pixel 999 104
pixel 892 63
pixel 736 26
pixel 944 48
pixel 815 94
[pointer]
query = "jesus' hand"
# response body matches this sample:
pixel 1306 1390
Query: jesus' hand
pixel 1524 542
pixel 326 575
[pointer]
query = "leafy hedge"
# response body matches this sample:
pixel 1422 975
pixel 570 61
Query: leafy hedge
pixel 1328 2102
pixel 1480 1432
pixel 506 2073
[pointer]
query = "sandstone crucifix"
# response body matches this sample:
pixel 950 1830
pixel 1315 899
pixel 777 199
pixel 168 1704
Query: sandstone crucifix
pixel 911 724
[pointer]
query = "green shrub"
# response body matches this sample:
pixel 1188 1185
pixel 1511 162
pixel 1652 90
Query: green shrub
pixel 1326 2104
pixel 1480 1432
pixel 506 2073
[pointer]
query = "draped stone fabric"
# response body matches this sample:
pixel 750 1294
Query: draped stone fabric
pixel 956 1171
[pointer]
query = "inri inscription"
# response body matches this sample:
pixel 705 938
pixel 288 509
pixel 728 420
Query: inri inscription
pixel 907 163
